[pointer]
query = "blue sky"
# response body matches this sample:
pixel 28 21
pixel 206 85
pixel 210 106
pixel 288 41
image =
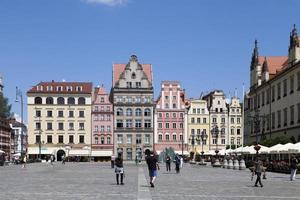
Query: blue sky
pixel 205 44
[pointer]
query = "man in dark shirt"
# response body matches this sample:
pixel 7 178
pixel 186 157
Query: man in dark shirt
pixel 168 163
pixel 151 160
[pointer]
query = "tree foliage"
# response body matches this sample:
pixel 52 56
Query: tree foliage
pixel 277 140
pixel 4 107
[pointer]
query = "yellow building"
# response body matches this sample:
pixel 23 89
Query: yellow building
pixel 198 124
pixel 59 119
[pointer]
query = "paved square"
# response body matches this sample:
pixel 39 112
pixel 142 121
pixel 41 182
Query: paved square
pixel 97 181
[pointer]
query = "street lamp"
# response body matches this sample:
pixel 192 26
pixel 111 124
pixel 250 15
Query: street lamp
pixel 19 94
pixel 203 136
pixel 216 133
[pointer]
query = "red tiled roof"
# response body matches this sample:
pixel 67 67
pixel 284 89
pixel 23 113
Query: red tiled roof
pixel 44 87
pixel 119 68
pixel 275 63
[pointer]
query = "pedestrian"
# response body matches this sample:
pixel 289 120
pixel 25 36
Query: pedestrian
pixel 136 160
pixel 153 166
pixel 258 169
pixel 181 162
pixel 52 160
pixel 119 170
pixel 294 163
pixel 112 161
pixel 168 163
pixel 177 164
pixel 63 159
pixel 24 161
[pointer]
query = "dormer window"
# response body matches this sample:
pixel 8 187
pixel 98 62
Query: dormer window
pixel 59 88
pixel 69 88
pixel 49 88
pixel 133 75
pixel 39 88
pixel 79 88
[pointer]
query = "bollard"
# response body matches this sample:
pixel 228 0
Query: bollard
pixel 236 164
pixel 225 164
pixel 242 164
pixel 230 165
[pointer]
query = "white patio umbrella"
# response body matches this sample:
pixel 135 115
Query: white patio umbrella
pixel 264 149
pixel 295 148
pixel 285 148
pixel 275 148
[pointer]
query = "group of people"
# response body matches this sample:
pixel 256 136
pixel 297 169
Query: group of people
pixel 178 163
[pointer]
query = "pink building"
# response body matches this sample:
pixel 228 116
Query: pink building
pixel 171 119
pixel 102 125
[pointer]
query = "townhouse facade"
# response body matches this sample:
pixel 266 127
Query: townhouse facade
pixel 170 119
pixel 132 97
pixel 59 119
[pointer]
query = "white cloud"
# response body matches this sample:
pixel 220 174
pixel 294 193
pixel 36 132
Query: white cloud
pixel 108 2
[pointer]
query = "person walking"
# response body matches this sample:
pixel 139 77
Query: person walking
pixel 119 170
pixel 24 161
pixel 63 160
pixel 177 164
pixel 153 166
pixel 168 163
pixel 52 160
pixel 294 163
pixel 258 169
pixel 112 161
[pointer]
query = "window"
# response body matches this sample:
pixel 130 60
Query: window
pixel 238 141
pixel 96 140
pixel 232 131
pixel 138 84
pixel 119 123
pixel 174 115
pixel 138 112
pixel 71 126
pixel 107 108
pixel 278 118
pixel 203 111
pixel 102 99
pixel 198 110
pixel 49 126
pixel 108 140
pixel 181 125
pixel 284 87
pixel 181 115
pixel 174 125
pixel 193 120
pixel 108 128
pixel 221 109
pixel 192 131
pixel 174 105
pixel 273 93
pixel 102 129
pixel 285 117
pixel 71 101
pixel 101 117
pixel 138 139
pixel 120 139
pixel 128 84
pixel 49 100
pixel 102 140
pixel 160 115
pixel 181 137
pixel 38 125
pixel 81 139
pixel 37 139
pixel 238 120
pixel 167 115
pixel 167 105
pixel 38 100
pixel 217 110
pixel 49 113
pixel 60 139
pixel 138 123
pixel 71 113
pixel 167 125
pixel 128 112
pixel 204 120
pixel 160 137
pixel 232 141
pixel 214 120
pixel 60 126
pixel 138 99
pixel 108 117
pixel 223 120
pixel 81 113
pixel 167 137
pixel 166 97
pixel 292 84
pixel 81 126
pixel 129 99
pixel 81 101
pixel 278 90
pixel 129 139
pixel 232 120
pixel 60 113
pixel 147 123
pixel 147 112
pixel 128 123
pixel 60 101
pixel 291 115
pixel 71 139
pixel 119 112
pixel 174 97
pixel 96 128
pixel 198 120
pixel 49 139
pixel 147 139
pixel 102 108
pixel 78 88
pixel 223 141
pixel 214 141
pixel 174 137
pixel 238 131
pixel 37 113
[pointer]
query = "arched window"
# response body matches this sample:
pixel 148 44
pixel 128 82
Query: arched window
pixel 102 140
pixel 147 112
pixel 60 100
pixel 119 112
pixel 81 100
pixel 38 100
pixel 138 112
pixel 71 100
pixel 49 100
pixel 128 112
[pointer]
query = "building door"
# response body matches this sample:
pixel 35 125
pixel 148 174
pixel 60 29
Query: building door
pixel 60 154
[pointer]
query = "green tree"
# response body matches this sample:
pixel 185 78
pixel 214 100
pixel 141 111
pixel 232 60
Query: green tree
pixel 4 107
pixel 277 140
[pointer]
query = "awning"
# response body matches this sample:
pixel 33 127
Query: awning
pixel 44 150
pixel 79 152
pixel 101 153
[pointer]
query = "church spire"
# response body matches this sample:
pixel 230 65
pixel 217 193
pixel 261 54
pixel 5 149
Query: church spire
pixel 294 42
pixel 254 60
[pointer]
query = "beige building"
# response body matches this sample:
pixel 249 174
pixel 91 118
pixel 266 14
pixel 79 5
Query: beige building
pixel 235 120
pixel 198 124
pixel 272 105
pixel 59 119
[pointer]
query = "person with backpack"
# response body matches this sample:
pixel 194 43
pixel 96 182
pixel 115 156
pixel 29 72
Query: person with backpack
pixel 294 163
pixel 119 170
pixel 177 163
pixel 168 163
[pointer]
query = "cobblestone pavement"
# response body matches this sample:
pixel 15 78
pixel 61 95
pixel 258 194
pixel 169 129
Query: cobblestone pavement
pixel 97 181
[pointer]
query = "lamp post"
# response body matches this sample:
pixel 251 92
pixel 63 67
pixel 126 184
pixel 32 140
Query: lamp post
pixel 203 136
pixel 216 133
pixel 19 94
